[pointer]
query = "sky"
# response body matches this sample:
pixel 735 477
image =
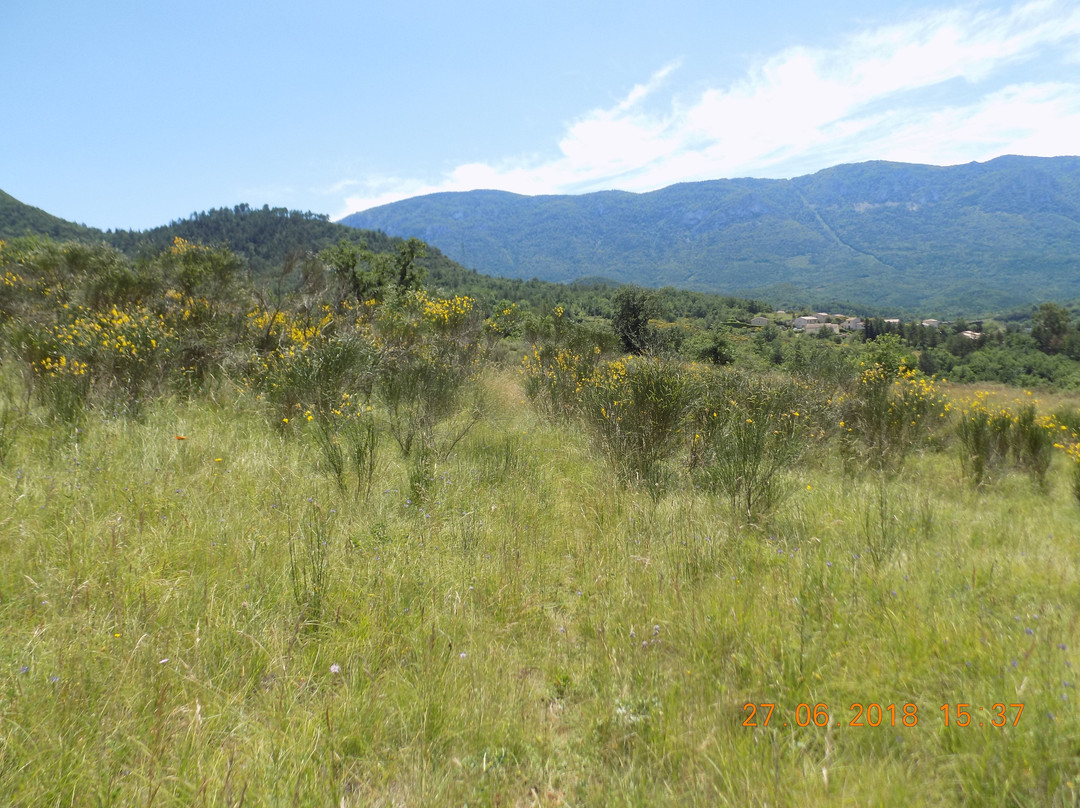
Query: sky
pixel 128 114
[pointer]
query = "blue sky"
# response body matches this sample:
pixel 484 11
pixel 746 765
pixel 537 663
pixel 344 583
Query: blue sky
pixel 130 113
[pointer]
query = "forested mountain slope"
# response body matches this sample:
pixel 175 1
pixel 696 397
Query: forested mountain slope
pixel 975 237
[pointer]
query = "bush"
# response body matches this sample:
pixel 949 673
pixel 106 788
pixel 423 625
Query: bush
pixel 984 441
pixel 1033 438
pixel 555 378
pixel 636 409
pixel 891 410
pixel 429 355
pixel 750 432
pixel 316 362
pixel 349 444
pixel 990 438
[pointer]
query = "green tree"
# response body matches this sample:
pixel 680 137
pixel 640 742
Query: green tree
pixel 1049 327
pixel 632 307
pixel 410 274
pixel 708 346
pixel 361 273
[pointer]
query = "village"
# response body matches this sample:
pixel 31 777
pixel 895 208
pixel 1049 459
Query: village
pixel 841 323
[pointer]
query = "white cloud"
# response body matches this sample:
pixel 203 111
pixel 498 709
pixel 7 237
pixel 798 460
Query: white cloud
pixel 877 95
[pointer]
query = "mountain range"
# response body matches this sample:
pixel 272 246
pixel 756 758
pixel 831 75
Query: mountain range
pixel 956 239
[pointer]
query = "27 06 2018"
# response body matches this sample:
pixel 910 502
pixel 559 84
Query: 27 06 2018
pixel 872 714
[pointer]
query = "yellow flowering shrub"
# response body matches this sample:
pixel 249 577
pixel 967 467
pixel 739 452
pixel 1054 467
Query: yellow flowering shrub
pixel 892 410
pixel 636 409
pixel 306 362
pixel 992 435
pixel 504 321
pixel 555 378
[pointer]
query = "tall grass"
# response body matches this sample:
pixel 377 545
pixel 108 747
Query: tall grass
pixel 528 634
pixel 813 607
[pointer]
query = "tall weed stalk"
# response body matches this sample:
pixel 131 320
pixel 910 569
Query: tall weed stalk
pixel 309 565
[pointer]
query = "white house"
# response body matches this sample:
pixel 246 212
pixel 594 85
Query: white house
pixel 853 324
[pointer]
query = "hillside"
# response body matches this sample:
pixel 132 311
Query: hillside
pixel 263 237
pixel 950 240
pixel 19 219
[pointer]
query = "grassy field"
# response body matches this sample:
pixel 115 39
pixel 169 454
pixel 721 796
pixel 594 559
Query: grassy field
pixel 193 612
pixel 326 547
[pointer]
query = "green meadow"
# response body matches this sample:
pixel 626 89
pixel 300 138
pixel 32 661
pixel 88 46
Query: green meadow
pixel 385 550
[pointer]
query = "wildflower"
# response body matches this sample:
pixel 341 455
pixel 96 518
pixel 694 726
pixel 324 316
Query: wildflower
pixel 335 668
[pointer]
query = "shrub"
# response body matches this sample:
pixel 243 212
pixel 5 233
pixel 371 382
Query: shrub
pixel 123 354
pixel 813 361
pixel 1074 477
pixel 635 409
pixel 429 355
pixel 314 361
pixel 556 378
pixel 751 431
pixel 1033 438
pixel 983 441
pixel 891 411
pixel 84 311
pixel 63 388
pixel 349 440
pixel 989 438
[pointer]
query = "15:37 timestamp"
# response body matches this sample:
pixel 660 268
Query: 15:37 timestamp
pixel 960 714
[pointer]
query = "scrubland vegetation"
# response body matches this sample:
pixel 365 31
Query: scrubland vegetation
pixel 354 542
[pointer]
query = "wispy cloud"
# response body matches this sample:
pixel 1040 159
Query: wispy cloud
pixel 947 87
